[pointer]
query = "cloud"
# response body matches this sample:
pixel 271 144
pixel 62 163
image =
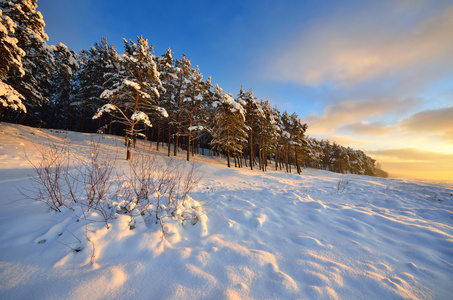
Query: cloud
pixel 438 122
pixel 368 128
pixel 348 112
pixel 382 41
pixel 348 141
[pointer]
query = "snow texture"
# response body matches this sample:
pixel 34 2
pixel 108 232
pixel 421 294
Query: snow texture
pixel 140 116
pixel 107 108
pixel 259 236
pixel 11 98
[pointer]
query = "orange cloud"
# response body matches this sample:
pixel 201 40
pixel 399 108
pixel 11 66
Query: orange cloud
pixel 347 112
pixel 368 128
pixel 438 122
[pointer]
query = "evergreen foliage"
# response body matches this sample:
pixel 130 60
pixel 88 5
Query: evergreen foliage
pixel 32 80
pixel 228 135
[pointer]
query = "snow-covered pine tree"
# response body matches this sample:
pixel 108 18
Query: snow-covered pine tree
pixel 60 113
pixel 11 62
pixel 167 71
pixel 268 133
pixel 228 135
pixel 32 80
pixel 298 130
pixel 193 107
pixel 134 90
pixel 285 139
pixel 96 66
pixel 206 115
pixel 183 71
pixel 252 118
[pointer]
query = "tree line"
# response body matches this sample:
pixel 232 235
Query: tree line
pixel 138 94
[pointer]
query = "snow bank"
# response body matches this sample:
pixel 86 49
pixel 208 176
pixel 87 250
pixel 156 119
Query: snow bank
pixel 258 235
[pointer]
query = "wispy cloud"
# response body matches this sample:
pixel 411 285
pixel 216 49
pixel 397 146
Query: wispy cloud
pixel 349 112
pixel 381 41
pixel 368 128
pixel 438 122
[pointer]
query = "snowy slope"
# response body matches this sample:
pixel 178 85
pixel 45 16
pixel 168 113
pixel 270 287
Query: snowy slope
pixel 259 236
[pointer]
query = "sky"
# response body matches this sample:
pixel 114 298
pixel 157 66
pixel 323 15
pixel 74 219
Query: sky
pixel 371 75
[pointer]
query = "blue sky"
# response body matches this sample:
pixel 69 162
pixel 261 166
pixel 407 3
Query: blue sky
pixel 374 75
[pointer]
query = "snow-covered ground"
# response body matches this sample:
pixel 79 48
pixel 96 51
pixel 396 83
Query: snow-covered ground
pixel 258 236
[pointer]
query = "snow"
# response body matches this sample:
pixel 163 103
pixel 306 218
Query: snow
pixel 140 116
pixel 162 111
pixel 106 108
pixel 258 235
pixel 197 127
pixel 106 94
pixel 133 84
pixel 9 97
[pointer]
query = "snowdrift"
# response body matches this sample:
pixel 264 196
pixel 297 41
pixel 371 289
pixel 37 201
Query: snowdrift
pixel 257 236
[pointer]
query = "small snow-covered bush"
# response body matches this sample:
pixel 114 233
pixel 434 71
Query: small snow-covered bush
pixel 149 190
pixel 155 190
pixel 97 175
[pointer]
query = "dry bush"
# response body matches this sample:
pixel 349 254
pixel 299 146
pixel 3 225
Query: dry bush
pixel 171 188
pixel 52 183
pixel 98 175
pixel 156 189
pixel 342 184
pixel 151 189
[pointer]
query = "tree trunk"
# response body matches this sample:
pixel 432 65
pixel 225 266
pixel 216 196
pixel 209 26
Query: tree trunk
pixel 82 123
pixel 175 142
pixel 158 134
pixel 297 162
pixel 228 158
pixel 188 144
pixel 251 147
pixel 169 140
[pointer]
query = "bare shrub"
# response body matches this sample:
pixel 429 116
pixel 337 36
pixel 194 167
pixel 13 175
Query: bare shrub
pixel 342 184
pixel 151 189
pixel 141 167
pixel 51 180
pixel 98 176
pixel 171 188
pixel 157 189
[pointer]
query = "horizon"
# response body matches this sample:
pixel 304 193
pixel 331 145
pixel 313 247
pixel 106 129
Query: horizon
pixel 372 76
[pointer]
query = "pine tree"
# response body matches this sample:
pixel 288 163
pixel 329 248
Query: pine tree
pixel 167 71
pixel 11 62
pixel 183 72
pixel 193 106
pixel 61 92
pixel 297 130
pixel 32 80
pixel 134 90
pixel 228 135
pixel 269 133
pixel 252 118
pixel 97 66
